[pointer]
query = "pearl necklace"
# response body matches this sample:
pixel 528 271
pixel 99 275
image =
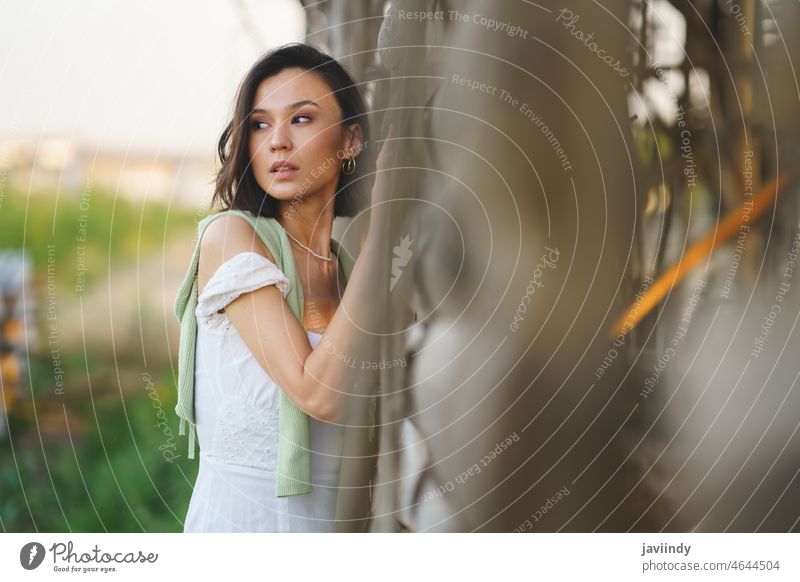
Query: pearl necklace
pixel 308 249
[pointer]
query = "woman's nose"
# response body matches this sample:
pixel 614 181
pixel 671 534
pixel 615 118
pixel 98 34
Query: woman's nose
pixel 280 138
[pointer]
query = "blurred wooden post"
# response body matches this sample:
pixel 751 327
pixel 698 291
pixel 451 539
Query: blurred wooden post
pixel 494 194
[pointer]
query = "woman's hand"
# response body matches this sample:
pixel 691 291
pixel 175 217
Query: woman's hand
pixel 387 160
pixel 381 189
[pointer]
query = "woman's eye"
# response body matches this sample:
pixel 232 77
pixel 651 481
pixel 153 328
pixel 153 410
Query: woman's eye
pixel 259 124
pixel 308 117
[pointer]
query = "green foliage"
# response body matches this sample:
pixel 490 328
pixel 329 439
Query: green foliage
pixel 105 229
pixel 91 459
pixel 106 473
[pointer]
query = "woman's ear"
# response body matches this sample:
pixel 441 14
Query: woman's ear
pixel 354 141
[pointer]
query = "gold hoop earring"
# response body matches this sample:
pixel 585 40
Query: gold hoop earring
pixel 349 166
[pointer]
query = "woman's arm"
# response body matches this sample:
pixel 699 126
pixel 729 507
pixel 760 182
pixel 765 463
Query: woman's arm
pixel 269 328
pixel 311 378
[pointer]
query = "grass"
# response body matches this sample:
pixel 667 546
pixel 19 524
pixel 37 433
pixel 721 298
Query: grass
pixel 91 460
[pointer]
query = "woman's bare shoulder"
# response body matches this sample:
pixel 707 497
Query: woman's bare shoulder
pixel 224 238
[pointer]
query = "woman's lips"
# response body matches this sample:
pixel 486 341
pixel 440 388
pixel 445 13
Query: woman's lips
pixel 283 174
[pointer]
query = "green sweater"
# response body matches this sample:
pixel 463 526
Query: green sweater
pixel 294 456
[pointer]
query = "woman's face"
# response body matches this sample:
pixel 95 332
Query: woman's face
pixel 297 119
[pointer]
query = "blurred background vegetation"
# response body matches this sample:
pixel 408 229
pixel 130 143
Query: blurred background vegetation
pixel 90 456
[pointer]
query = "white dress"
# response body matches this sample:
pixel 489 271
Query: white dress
pixel 236 410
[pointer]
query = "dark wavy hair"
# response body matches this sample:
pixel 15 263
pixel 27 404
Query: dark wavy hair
pixel 236 186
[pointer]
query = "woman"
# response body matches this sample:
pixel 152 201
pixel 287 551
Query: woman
pixel 293 158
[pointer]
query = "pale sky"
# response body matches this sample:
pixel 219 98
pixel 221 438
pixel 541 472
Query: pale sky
pixel 138 74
